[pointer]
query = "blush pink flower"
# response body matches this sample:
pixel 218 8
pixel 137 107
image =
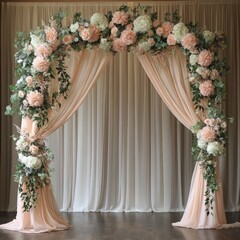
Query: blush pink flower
pixel 159 31
pixel 67 39
pixel 150 33
pixel 111 24
pixel 189 41
pixel 40 64
pixel 129 26
pixel 151 42
pixel 114 31
pixel 35 99
pixel 215 74
pixel 43 50
pixel 34 149
pixel 120 17
pixel 206 88
pixel 209 121
pixel 90 34
pixel 205 58
pixel 167 28
pixel 171 40
pixel 128 37
pixel 118 45
pixel 29 81
pixel 51 34
pixel 207 134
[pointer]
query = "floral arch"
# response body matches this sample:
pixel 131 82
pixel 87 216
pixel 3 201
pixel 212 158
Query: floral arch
pixel 44 88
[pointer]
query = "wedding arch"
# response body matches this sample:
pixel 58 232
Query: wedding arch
pixel 182 62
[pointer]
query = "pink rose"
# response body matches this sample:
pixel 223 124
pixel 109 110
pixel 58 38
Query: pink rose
pixel 67 39
pixel 120 17
pixel 129 26
pixel 159 31
pixel 128 37
pixel 29 81
pixel 206 88
pixel 151 42
pixel 51 34
pixel 35 99
pixel 156 23
pixel 167 28
pixel 205 58
pixel 207 134
pixel 90 34
pixel 118 45
pixel 40 64
pixel 189 41
pixel 33 149
pixel 43 50
pixel 171 40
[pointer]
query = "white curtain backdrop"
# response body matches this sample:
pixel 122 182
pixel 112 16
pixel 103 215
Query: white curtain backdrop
pixel 123 150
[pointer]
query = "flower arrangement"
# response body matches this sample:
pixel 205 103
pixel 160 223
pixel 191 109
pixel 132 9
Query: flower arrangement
pixel 123 30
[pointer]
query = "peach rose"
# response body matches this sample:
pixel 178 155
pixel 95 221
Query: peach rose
pixel 29 81
pixel 51 34
pixel 118 45
pixel 35 99
pixel 67 39
pixel 171 40
pixel 167 28
pixel 189 41
pixel 159 31
pixel 40 64
pixel 43 50
pixel 90 34
pixel 33 149
pixel 206 88
pixel 128 37
pixel 207 134
pixel 205 58
pixel 120 17
pixel 151 42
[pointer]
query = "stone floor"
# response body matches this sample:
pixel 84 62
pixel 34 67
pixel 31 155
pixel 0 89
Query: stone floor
pixel 124 226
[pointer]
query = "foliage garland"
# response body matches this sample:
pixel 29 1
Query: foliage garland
pixel 126 29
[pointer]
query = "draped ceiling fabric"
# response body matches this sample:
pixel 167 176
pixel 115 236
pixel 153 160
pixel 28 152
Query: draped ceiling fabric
pixel 120 121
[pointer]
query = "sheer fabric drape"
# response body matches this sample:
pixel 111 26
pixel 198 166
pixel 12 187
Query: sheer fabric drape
pixel 84 68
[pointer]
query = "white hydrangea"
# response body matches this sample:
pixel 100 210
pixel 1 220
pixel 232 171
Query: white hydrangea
pixel 30 161
pixel 142 24
pixel 208 36
pixel 179 30
pixel 36 40
pixel 215 148
pixel 193 59
pixel 144 46
pixel 99 20
pixel 74 27
pixel 201 144
pixel 105 45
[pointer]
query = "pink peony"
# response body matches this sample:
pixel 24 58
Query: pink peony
pixel 40 64
pixel 67 39
pixel 90 34
pixel 120 17
pixel 35 99
pixel 51 34
pixel 167 28
pixel 189 41
pixel 33 149
pixel 118 45
pixel 206 88
pixel 29 81
pixel 128 37
pixel 205 58
pixel 159 31
pixel 43 50
pixel 207 134
pixel 171 40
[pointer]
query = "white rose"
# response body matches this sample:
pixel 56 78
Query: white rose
pixel 74 27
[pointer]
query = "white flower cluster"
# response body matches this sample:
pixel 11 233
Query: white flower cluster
pixel 142 24
pixel 99 20
pixel 143 46
pixel 208 36
pixel 21 143
pixel 179 30
pixel 30 161
pixel 105 44
pixel 193 59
